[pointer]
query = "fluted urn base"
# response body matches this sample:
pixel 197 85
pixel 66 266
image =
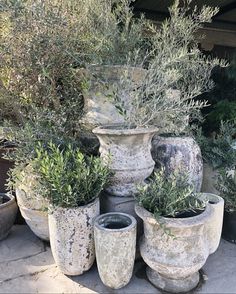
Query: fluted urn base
pixel 173 285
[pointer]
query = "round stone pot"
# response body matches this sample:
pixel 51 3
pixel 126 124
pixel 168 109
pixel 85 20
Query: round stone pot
pixel 72 238
pixel 127 151
pixel 229 226
pixel 8 211
pixel 115 243
pixel 34 210
pixel 174 262
pixel 179 154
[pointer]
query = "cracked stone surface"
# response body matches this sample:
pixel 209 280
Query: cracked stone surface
pixel 27 266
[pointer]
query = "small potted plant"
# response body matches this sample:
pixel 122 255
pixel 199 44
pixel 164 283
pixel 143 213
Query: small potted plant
pixel 71 182
pixel 218 151
pixel 226 185
pixel 8 211
pixel 180 231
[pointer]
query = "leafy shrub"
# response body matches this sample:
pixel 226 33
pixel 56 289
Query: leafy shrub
pixel 168 197
pixel 226 185
pixel 69 179
pixel 218 150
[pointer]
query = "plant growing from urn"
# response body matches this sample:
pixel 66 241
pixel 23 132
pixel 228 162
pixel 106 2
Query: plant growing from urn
pixel 181 229
pixel 71 182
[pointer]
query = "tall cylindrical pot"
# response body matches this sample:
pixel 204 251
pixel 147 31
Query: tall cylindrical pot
pixel 128 153
pixel 179 154
pixel 115 243
pixel 72 238
pixel 174 262
pixel 8 211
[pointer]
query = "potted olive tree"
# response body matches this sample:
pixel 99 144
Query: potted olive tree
pixel 71 182
pixel 180 231
pixel 226 185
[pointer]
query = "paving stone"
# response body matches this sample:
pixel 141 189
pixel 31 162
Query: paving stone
pixel 27 266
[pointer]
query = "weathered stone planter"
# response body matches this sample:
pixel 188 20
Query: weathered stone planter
pixel 98 109
pixel 209 179
pixel 129 153
pixel 33 207
pixel 72 239
pixel 115 243
pixel 179 154
pixel 8 211
pixel 173 263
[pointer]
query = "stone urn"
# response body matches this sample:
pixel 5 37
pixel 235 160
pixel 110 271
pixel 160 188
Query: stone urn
pixel 8 211
pixel 174 262
pixel 32 205
pixel 72 238
pixel 115 243
pixel 179 154
pixel 127 151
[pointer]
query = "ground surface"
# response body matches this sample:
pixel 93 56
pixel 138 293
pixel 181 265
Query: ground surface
pixel 27 266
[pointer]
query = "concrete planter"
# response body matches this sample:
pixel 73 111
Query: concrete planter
pixel 97 107
pixel 129 154
pixel 8 211
pixel 115 243
pixel 33 208
pixel 179 154
pixel 71 237
pixel 173 263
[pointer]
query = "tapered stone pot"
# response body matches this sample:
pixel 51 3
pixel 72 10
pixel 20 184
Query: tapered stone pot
pixel 128 153
pixel 173 263
pixel 33 206
pixel 115 243
pixel 8 211
pixel 72 238
pixel 179 154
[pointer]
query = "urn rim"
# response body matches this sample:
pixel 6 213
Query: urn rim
pixel 10 200
pixel 119 129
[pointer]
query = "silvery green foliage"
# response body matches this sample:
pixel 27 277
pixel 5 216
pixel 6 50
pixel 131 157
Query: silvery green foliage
pixel 226 185
pixel 177 73
pixel 218 150
pixel 168 196
pixel 67 177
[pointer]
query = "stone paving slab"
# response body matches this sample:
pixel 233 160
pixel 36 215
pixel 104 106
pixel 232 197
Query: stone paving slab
pixel 27 266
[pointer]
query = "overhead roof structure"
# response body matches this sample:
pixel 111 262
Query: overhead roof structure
pixel 222 31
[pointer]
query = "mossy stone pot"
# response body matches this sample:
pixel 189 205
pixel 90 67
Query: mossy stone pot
pixel 72 237
pixel 102 79
pixel 174 262
pixel 179 154
pixel 128 153
pixel 115 243
pixel 8 211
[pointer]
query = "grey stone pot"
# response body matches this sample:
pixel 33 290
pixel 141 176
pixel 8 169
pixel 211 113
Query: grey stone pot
pixel 173 263
pixel 128 154
pixel 72 239
pixel 115 243
pixel 8 211
pixel 179 154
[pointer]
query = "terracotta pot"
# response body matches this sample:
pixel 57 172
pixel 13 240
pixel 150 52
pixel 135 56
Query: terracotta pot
pixel 128 154
pixel 115 243
pixel 72 238
pixel 8 211
pixel 173 263
pixel 179 154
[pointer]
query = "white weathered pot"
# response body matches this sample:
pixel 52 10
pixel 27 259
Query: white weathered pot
pixel 173 263
pixel 128 154
pixel 72 239
pixel 101 83
pixel 115 243
pixel 33 207
pixel 179 154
